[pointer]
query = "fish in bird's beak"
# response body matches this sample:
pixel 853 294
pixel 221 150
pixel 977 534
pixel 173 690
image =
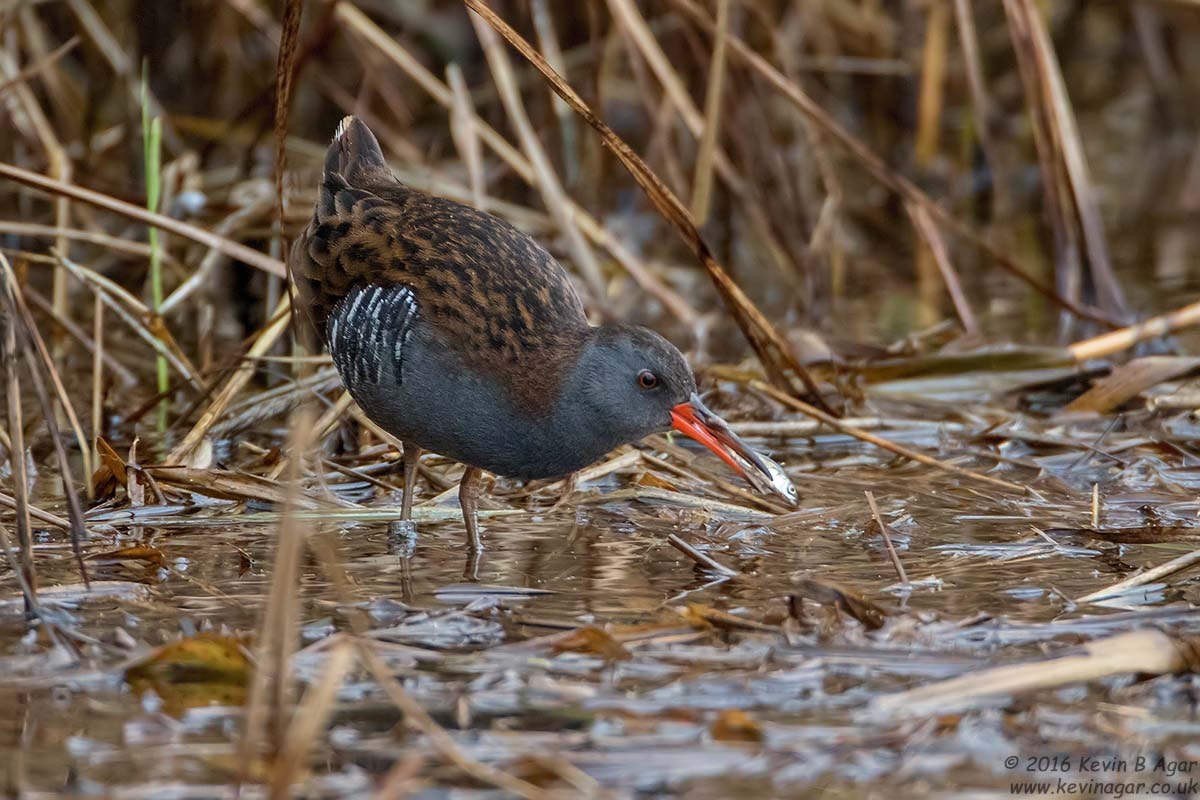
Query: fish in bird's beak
pixel 697 421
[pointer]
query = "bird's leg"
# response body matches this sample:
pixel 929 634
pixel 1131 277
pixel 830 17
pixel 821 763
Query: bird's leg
pixel 412 456
pixel 468 497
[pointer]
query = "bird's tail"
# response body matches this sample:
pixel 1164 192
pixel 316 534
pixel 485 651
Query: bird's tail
pixel 354 151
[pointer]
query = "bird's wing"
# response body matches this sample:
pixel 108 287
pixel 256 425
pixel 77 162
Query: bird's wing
pixel 479 282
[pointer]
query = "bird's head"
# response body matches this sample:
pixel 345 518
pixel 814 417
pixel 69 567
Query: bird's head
pixel 635 383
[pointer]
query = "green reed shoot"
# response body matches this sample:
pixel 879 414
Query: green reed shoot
pixel 152 156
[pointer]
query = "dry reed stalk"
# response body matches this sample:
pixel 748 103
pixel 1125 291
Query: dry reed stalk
pixel 1142 578
pixel 309 720
pixel 97 379
pixel 876 166
pixel 941 258
pixel 1048 94
pixel 772 349
pixel 634 25
pixel 285 74
pixel 879 441
pixel 115 243
pixel 37 353
pixel 17 563
pixel 981 101
pixel 263 342
pixel 358 22
pixel 553 196
pixel 1107 344
pixel 930 105
pixel 703 559
pixel 419 720
pixel 135 315
pixel 401 779
pixel 462 131
pixel 1148 652
pixel 543 25
pixel 9 359
pixel 702 177
pixel 60 169
pixel 269 707
pixel 197 278
pixel 230 248
pixel 41 64
pixel 117 56
pixel 35 512
pixel 76 332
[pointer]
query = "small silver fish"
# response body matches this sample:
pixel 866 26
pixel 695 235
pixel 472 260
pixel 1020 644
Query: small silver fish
pixel 762 472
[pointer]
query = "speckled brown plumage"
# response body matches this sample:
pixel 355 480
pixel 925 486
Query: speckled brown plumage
pixel 490 290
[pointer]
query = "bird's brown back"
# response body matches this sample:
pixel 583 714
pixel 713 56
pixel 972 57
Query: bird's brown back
pixel 491 292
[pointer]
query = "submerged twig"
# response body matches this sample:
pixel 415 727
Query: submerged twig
pixel 703 559
pixel 887 538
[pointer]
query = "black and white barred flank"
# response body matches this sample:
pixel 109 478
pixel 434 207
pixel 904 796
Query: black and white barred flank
pixel 370 325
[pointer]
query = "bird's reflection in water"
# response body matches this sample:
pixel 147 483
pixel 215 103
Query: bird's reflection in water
pixel 402 543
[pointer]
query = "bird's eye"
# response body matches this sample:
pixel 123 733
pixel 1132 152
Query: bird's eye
pixel 647 379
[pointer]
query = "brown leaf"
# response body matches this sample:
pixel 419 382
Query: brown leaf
pixel 198 671
pixel 203 658
pixel 733 725
pixel 151 555
pixel 847 600
pixel 593 640
pixel 702 616
pixel 650 479
pixel 110 473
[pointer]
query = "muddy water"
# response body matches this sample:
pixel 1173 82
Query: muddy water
pixel 985 587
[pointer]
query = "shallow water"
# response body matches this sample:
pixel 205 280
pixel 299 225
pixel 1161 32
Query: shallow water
pixel 985 588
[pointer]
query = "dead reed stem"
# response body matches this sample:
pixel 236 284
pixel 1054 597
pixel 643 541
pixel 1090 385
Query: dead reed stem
pixel 269 710
pixel 466 139
pixel 230 248
pixel 876 166
pixel 702 177
pixel 241 376
pixel 553 196
pixel 930 105
pixel 418 718
pixel 772 349
pixel 1142 578
pixel 1107 344
pixel 16 451
pixel 1048 94
pixel 879 441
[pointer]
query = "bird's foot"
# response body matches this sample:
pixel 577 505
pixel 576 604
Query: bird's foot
pixel 471 568
pixel 402 537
